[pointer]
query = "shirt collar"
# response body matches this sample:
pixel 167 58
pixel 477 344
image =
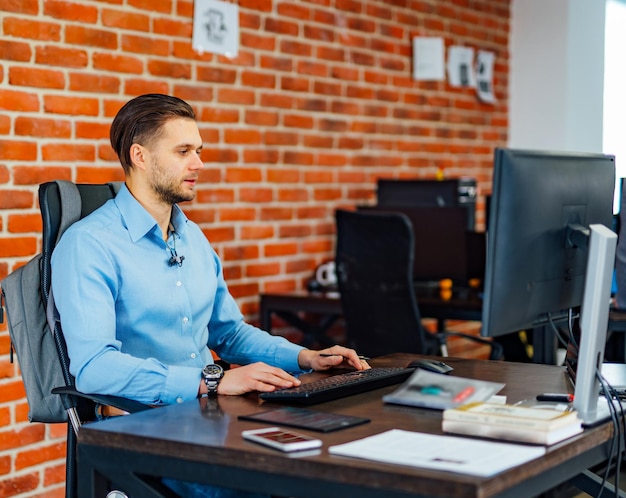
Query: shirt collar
pixel 140 222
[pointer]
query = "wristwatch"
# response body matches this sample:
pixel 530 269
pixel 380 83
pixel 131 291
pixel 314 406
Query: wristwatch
pixel 212 374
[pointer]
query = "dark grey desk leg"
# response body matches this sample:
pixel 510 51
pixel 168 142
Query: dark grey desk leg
pixel 590 483
pixel 99 468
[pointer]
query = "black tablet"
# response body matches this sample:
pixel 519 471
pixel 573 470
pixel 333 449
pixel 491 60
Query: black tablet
pixel 304 418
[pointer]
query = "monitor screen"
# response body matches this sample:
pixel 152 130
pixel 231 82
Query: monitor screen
pixel 444 248
pixel 417 193
pixel 534 270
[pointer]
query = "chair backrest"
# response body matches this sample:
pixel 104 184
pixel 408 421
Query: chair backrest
pixel 374 264
pixel 92 196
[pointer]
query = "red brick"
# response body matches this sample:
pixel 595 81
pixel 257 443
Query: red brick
pixel 5 465
pixel 163 6
pixel 34 175
pixel 80 35
pixel 243 175
pixel 125 20
pixel 55 475
pixel 86 129
pixel 99 174
pixel 11 248
pixel 169 69
pixel 40 78
pixel 139 87
pixel 118 63
pixel 24 223
pixel 27 434
pixel 12 100
pixel 228 214
pixel 58 104
pixel 15 51
pixel 59 56
pixel 80 82
pixel 257 232
pixel 144 45
pixel 71 11
pixel 35 30
pixel 18 484
pixel 36 127
pixel 18 150
pixel 68 152
pixel 240 253
pixel 170 27
pixel 30 7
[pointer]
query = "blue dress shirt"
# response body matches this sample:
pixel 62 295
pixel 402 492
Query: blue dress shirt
pixel 139 328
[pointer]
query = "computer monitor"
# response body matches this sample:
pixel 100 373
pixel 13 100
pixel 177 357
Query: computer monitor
pixel 423 193
pixel 444 248
pixel 539 243
pixel 417 193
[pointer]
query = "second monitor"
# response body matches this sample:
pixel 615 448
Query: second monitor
pixel 444 248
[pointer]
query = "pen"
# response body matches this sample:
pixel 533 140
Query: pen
pixel 463 394
pixel 559 398
pixel 328 355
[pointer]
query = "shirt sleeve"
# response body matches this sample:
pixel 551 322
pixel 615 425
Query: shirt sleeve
pixel 240 343
pixel 85 284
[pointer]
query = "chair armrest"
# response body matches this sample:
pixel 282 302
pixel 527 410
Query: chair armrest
pixel 128 405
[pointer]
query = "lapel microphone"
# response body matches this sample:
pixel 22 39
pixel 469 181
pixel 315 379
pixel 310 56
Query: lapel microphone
pixel 175 259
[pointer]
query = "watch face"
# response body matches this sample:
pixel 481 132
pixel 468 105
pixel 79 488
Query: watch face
pixel 213 370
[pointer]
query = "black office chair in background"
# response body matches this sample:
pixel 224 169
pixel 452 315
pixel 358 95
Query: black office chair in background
pixel 374 264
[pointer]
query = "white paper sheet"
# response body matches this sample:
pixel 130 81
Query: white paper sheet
pixel 428 58
pixel 446 453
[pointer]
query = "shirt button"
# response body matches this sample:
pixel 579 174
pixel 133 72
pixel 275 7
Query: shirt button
pixel 179 400
pixel 179 283
pixel 193 355
pixel 185 319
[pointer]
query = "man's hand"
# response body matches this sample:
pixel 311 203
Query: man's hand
pixel 255 377
pixel 331 357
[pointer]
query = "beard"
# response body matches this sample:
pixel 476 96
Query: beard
pixel 167 187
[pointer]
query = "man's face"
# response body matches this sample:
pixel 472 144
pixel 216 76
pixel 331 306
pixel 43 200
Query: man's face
pixel 175 161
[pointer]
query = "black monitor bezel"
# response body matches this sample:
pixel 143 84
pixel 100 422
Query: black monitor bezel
pixel 523 238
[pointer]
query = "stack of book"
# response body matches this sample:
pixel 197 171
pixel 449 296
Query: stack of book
pixel 512 423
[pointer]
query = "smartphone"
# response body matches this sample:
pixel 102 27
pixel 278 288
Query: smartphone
pixel 282 439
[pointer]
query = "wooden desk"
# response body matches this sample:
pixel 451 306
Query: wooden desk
pixel 189 441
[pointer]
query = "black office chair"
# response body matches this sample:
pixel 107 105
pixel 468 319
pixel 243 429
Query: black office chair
pixel 374 264
pixel 79 406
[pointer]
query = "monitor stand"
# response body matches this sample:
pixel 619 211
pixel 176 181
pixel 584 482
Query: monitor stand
pixel 602 412
pixel 594 321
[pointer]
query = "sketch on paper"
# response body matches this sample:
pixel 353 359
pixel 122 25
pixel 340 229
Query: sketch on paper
pixel 216 27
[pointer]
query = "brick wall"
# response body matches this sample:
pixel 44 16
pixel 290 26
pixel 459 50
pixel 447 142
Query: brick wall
pixel 318 104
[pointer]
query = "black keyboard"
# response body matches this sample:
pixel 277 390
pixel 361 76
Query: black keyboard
pixel 340 386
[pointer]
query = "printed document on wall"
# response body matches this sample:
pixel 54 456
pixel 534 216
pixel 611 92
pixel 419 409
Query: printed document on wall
pixel 461 67
pixel 484 76
pixel 428 58
pixel 216 27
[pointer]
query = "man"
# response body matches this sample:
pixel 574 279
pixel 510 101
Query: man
pixel 141 292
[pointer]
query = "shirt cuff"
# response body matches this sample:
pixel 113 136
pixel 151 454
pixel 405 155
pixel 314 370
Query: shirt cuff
pixel 181 384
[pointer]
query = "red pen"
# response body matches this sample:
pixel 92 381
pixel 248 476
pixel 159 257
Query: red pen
pixel 463 394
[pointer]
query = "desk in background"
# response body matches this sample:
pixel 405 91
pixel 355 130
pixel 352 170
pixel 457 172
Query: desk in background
pixel 463 304
pixel 196 441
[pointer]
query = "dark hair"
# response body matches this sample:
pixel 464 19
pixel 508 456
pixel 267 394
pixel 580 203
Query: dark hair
pixel 140 120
